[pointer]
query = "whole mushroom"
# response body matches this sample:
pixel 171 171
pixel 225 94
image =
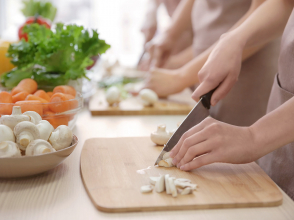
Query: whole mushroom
pixel 9 149
pixel 112 95
pixel 160 136
pixel 34 117
pixel 13 119
pixel 61 137
pixel 45 129
pixel 38 147
pixel 25 132
pixel 6 134
pixel 148 97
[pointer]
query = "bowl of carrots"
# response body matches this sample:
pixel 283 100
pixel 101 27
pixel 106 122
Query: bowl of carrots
pixel 58 106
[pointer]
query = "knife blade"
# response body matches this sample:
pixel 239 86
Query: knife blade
pixel 195 116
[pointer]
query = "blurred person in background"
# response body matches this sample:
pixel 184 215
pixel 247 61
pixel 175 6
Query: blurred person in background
pixel 150 30
pixel 209 19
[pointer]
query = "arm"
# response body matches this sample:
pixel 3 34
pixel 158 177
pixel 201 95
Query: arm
pixel 180 59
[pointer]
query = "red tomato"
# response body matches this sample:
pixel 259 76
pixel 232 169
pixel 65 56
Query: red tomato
pixel 40 20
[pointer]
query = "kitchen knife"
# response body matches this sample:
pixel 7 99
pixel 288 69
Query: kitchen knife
pixel 196 115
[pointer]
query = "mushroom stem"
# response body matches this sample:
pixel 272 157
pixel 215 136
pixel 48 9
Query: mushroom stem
pixel 24 139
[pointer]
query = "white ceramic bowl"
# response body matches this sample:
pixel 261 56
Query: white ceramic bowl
pixel 32 165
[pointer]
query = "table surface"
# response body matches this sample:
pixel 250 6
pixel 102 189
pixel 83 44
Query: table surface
pixel 60 194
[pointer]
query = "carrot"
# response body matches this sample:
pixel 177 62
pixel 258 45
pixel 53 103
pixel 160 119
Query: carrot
pixel 28 85
pixel 31 105
pixel 21 96
pixel 42 94
pixel 5 109
pixel 60 102
pixel 65 89
pixel 44 101
pixel 50 94
pixel 55 120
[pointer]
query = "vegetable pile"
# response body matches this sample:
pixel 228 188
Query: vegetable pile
pixel 53 57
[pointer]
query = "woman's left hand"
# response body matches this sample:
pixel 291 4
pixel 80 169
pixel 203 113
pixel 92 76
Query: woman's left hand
pixel 214 141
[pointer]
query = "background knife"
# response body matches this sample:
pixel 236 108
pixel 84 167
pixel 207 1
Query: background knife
pixel 196 115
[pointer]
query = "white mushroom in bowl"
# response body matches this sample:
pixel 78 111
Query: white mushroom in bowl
pixel 112 95
pixel 45 129
pixel 6 134
pixel 61 137
pixel 38 147
pixel 34 117
pixel 25 132
pixel 9 149
pixel 148 97
pixel 160 136
pixel 15 118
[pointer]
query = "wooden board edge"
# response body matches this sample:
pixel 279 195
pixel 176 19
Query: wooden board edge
pixel 129 113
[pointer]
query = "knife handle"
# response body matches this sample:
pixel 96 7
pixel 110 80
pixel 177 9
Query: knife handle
pixel 207 98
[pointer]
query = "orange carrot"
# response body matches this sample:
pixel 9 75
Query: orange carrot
pixel 44 101
pixel 50 94
pixel 55 120
pixel 60 102
pixel 65 89
pixel 21 96
pixel 5 109
pixel 42 94
pixel 31 105
pixel 28 85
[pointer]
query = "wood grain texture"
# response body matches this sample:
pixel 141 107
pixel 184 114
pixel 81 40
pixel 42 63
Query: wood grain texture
pixel 175 105
pixel 109 165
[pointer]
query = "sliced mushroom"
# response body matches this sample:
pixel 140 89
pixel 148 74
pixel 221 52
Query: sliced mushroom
pixel 185 184
pixel 172 187
pixel 61 137
pixel 184 180
pixel 167 188
pixel 112 95
pixel 166 155
pixel 9 149
pixel 148 97
pixel 186 191
pixel 38 147
pixel 6 134
pixel 153 179
pixel 25 132
pixel 45 129
pixel 34 117
pixel 160 136
pixel 15 118
pixel 166 163
pixel 159 185
pixel 146 188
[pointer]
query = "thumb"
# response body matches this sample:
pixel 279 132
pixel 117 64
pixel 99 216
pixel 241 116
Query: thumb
pixel 202 89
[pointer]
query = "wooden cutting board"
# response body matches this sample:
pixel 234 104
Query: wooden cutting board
pixel 175 105
pixel 109 170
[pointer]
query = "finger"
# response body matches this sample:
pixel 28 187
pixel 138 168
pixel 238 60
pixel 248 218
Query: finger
pixel 157 57
pixel 203 88
pixel 187 144
pixel 188 133
pixel 195 151
pixel 223 89
pixel 200 161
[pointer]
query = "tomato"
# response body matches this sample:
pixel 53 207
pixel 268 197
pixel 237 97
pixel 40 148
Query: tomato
pixel 39 19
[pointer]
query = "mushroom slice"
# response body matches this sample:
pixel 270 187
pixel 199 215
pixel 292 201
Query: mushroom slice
pixel 45 129
pixel 9 149
pixel 185 184
pixel 38 147
pixel 159 185
pixel 6 134
pixel 25 132
pixel 166 163
pixel 166 156
pixel 34 117
pixel 13 119
pixel 146 188
pixel 160 136
pixel 186 191
pixel 167 188
pixel 153 179
pixel 184 180
pixel 61 137
pixel 172 187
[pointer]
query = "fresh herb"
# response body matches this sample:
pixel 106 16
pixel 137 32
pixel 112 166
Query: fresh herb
pixel 53 58
pixel 42 8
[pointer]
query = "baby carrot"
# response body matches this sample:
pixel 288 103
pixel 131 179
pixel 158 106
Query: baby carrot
pixel 31 105
pixel 44 101
pixel 65 89
pixel 42 94
pixel 55 120
pixel 28 85
pixel 21 96
pixel 60 102
pixel 5 103
pixel 50 94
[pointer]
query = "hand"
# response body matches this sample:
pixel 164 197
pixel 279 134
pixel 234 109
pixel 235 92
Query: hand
pixel 214 141
pixel 149 32
pixel 222 69
pixel 165 82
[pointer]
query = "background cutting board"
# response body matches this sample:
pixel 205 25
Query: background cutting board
pixel 179 104
pixel 109 170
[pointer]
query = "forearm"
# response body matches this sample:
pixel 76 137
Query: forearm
pixel 181 19
pixel 275 129
pixel 180 59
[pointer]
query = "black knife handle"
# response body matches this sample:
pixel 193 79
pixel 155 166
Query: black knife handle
pixel 207 98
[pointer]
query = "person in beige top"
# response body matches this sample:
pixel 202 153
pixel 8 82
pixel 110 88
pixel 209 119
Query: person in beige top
pixel 270 140
pixel 247 101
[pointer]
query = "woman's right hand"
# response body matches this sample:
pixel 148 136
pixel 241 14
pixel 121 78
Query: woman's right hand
pixel 221 70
